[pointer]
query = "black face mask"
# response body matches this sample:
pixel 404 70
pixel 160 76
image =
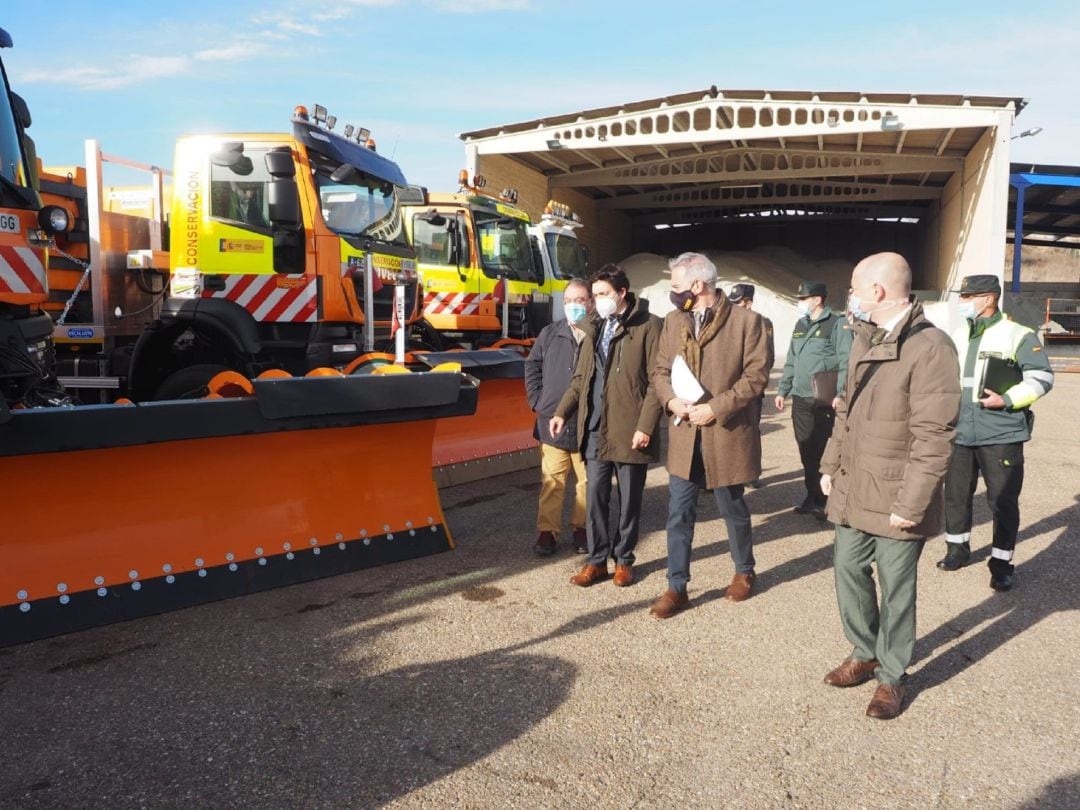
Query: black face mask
pixel 683 301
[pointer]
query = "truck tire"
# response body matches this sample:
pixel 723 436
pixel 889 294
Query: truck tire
pixel 188 383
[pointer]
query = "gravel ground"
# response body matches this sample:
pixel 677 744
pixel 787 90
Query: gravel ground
pixel 482 678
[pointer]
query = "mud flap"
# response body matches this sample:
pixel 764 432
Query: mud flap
pixel 167 505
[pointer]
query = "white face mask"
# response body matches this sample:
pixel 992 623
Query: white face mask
pixel 967 310
pixel 803 309
pixel 605 307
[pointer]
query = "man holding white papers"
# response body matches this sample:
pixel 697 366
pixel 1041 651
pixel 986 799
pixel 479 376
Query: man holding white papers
pixel 713 442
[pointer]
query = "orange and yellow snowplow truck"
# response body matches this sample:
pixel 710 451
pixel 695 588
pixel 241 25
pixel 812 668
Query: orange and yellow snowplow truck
pixel 26 228
pixel 482 277
pixel 288 502
pixel 277 242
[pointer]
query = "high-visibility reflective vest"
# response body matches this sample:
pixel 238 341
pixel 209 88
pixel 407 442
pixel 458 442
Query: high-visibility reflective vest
pixel 1001 338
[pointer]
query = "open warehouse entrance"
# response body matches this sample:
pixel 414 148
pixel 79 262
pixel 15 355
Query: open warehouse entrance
pixel 831 176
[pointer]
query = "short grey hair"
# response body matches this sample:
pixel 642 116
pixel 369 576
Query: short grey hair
pixel 696 266
pixel 582 283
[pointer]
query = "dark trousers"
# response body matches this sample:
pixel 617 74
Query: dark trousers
pixel 813 426
pixel 682 517
pixel 1002 467
pixel 631 484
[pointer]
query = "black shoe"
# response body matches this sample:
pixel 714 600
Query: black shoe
pixel 1001 582
pixel 581 542
pixel 806 507
pixel 545 544
pixel 757 483
pixel 957 555
pixel 818 511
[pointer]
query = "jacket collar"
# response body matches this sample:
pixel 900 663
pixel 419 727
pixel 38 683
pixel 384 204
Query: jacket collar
pixel 826 312
pixel 885 345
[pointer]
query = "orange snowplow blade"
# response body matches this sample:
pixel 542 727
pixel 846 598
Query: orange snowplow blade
pixel 498 437
pixel 177 503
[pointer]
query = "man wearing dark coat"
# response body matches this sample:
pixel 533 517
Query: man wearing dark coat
pixel 618 416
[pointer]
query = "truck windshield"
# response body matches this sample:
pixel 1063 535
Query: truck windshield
pixel 361 205
pixel 504 247
pixel 565 253
pixel 11 155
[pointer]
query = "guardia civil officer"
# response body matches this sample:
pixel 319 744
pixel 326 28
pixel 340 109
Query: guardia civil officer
pixel 820 341
pixel 993 425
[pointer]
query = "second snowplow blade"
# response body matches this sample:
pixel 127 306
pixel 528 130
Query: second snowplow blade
pixel 498 437
pixel 172 504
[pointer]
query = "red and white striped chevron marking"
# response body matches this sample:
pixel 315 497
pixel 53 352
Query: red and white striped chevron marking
pixel 271 298
pixel 22 270
pixel 453 303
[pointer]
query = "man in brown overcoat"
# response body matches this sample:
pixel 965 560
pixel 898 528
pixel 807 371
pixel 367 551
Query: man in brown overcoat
pixel 713 443
pixel 882 472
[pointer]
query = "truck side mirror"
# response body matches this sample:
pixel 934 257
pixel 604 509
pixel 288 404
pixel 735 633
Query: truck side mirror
pixel 21 110
pixel 231 156
pixel 412 195
pixel 283 201
pixel 344 173
pixel 279 163
pixel 433 218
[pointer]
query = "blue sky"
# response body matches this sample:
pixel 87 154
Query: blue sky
pixel 419 72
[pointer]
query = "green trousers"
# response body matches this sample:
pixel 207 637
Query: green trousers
pixel 885 632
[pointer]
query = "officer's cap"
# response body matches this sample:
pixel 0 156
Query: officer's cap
pixel 979 285
pixel 741 291
pixel 809 288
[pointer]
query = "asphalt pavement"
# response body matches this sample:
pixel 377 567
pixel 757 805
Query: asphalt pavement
pixel 481 678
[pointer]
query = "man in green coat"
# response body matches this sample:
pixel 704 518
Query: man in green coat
pixel 993 426
pixel 821 341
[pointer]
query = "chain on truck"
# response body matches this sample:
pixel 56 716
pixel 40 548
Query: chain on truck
pixel 277 242
pixel 486 272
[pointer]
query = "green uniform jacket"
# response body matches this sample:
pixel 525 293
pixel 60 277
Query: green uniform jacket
pixel 822 344
pixel 997 336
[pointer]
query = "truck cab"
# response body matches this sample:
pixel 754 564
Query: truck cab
pixel 478 269
pixel 26 229
pixel 284 252
pixel 563 256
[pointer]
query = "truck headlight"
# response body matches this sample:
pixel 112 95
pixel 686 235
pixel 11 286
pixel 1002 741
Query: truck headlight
pixel 53 219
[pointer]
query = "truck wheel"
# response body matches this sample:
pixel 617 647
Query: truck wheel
pixel 188 383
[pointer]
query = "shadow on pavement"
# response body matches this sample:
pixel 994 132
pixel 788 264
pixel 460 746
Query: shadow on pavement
pixel 1044 586
pixel 241 725
pixel 1061 794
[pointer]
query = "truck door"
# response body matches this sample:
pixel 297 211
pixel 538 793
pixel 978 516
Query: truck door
pixel 451 284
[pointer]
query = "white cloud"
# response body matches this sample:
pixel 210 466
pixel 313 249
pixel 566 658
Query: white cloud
pixel 236 52
pixel 133 71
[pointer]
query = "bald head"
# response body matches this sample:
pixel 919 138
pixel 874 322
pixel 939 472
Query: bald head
pixel 881 284
pixel 890 271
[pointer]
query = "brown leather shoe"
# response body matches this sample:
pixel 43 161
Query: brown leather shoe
pixel 669 603
pixel 851 673
pixel 886 702
pixel 589 575
pixel 624 575
pixel 740 587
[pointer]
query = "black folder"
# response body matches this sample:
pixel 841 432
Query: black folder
pixel 999 375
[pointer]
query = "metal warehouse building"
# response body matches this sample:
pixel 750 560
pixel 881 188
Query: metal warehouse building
pixel 831 175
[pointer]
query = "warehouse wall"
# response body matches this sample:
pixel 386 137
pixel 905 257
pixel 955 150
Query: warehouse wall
pixel 966 228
